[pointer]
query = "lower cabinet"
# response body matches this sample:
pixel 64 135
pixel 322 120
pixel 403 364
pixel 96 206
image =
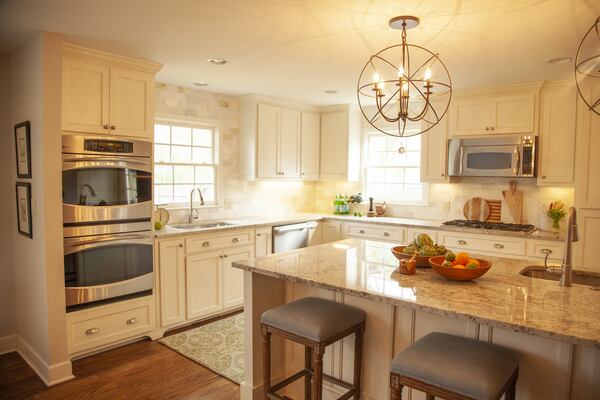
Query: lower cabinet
pixel 171 266
pixel 203 284
pixel 331 231
pixel 233 278
pixel 263 242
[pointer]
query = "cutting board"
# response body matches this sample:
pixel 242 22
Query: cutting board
pixel 513 199
pixel 476 209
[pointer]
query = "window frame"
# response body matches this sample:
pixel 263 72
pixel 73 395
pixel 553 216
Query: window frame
pixel 366 133
pixel 198 124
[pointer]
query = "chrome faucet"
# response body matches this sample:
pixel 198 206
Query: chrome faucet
pixel 194 211
pixel 566 276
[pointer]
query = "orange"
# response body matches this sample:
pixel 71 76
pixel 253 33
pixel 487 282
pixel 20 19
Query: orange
pixel 473 263
pixel 462 258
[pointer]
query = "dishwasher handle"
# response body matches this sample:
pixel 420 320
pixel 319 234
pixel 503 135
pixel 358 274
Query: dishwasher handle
pixel 294 227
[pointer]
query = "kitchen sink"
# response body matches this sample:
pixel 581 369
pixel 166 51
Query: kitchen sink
pixel 202 225
pixel 553 274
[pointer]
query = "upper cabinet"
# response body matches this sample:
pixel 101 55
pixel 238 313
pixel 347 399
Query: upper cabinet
pixel 502 111
pixel 107 94
pixel 434 155
pixel 310 149
pixel 556 159
pixel 340 144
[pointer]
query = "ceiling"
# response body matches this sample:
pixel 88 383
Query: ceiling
pixel 297 49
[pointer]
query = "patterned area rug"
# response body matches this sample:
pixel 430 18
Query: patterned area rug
pixel 219 346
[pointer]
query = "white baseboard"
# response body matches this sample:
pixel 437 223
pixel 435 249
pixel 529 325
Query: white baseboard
pixel 49 374
pixel 8 344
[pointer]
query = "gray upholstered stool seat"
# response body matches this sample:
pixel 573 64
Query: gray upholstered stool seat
pixel 463 366
pixel 313 318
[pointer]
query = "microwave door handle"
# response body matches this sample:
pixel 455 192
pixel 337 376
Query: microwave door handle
pixel 516 168
pixel 462 155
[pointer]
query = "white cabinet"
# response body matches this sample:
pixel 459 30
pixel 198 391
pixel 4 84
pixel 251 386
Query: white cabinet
pixel 340 144
pixel 278 151
pixel 331 231
pixel 586 249
pixel 556 161
pixel 310 149
pixel 385 233
pixel 107 94
pixel 233 278
pixel 263 242
pixel 434 155
pixel 203 284
pixel 485 244
pixel 587 184
pixel 315 234
pixel 171 259
pixel 493 114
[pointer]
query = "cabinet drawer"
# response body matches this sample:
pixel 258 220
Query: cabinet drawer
pixel 372 232
pixel 539 248
pixel 494 245
pixel 204 243
pixel 108 324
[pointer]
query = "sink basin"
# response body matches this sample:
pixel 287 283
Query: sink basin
pixel 553 274
pixel 202 225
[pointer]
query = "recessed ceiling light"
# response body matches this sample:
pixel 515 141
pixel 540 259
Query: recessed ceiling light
pixel 201 84
pixel 330 91
pixel 559 60
pixel 217 61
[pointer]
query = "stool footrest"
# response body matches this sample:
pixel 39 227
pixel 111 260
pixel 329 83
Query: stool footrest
pixel 337 381
pixel 277 387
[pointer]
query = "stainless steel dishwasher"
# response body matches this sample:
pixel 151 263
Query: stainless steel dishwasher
pixel 291 237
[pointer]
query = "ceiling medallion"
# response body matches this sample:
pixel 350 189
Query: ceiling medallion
pixel 404 84
pixel 587 66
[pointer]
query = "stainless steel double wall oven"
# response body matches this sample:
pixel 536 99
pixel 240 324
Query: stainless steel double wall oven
pixel 107 210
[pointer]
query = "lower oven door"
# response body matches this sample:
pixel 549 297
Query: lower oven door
pixel 102 267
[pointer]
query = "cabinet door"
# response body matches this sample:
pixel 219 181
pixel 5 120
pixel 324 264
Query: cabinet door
pixel 262 243
pixel 586 249
pixel 85 93
pixel 315 234
pixel 268 141
pixel 587 184
pixel 203 284
pixel 171 264
pixel 334 145
pixel 513 114
pixel 289 143
pixel 233 278
pixel 470 117
pixel 557 136
pixel 131 103
pixel 311 136
pixel 434 156
pixel 332 231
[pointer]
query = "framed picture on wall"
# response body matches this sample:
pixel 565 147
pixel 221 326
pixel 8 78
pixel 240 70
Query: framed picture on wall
pixel 24 209
pixel 23 149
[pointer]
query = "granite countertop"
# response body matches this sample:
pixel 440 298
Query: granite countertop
pixel 501 298
pixel 254 222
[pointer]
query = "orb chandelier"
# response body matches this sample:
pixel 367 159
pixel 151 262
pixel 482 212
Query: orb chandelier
pixel 587 66
pixel 403 85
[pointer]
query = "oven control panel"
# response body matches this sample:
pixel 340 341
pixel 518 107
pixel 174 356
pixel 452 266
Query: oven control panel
pixel 107 146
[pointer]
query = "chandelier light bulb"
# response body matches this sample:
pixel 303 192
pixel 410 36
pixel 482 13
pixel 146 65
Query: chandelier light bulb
pixel 427 74
pixel 405 89
pixel 375 77
pixel 380 85
pixel 400 71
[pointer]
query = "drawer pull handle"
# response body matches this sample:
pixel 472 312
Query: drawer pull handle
pixel 235 240
pixel 106 126
pixel 463 242
pixel 225 255
pixel 498 246
pixel 205 244
pixel 132 321
pixel 258 234
pixel 361 231
pixel 386 234
pixel 546 251
pixel 92 331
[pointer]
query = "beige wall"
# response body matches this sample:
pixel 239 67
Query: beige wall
pixel 246 198
pixel 39 277
pixel 7 206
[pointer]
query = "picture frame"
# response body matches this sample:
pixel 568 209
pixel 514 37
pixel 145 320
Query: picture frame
pixel 23 197
pixel 23 149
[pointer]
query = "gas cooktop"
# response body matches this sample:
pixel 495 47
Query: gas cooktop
pixel 463 223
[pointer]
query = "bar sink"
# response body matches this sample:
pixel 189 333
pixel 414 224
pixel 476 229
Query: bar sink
pixel 202 225
pixel 553 274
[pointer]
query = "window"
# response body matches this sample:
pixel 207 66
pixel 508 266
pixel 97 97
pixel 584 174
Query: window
pixel 184 158
pixel 392 174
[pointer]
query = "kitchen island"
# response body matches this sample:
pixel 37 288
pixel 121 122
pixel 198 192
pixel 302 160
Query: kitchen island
pixel 555 329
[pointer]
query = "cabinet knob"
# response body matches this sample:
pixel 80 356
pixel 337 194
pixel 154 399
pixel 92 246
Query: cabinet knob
pixel 259 234
pixel 180 244
pixel 92 331
pixel 113 127
pixel 205 244
pixel 106 126
pixel 235 240
pixel 225 255
pixel 546 251
pixel 463 242
pixel 302 173
pixel 132 321
pixel 361 231
pixel 386 234
pixel 498 246
pixel 492 128
pixel 543 176
pixel 443 175
pixel 487 128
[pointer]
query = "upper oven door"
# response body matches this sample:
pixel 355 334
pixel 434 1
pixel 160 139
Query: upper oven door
pixel 106 188
pixel 489 161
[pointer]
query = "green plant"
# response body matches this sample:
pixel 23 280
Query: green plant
pixel 556 212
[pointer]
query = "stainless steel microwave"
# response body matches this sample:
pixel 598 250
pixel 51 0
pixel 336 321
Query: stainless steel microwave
pixel 498 156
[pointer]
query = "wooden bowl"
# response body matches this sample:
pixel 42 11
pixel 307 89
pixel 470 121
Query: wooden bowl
pixel 422 261
pixel 459 274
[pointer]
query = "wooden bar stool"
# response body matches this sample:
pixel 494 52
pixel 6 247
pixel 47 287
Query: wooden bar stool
pixel 314 323
pixel 455 368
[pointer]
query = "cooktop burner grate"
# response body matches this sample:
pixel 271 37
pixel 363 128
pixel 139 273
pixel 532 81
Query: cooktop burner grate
pixel 462 223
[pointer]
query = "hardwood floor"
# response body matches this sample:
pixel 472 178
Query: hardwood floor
pixel 142 370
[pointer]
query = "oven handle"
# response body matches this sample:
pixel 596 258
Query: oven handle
pixel 109 240
pixel 107 159
pixel 73 247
